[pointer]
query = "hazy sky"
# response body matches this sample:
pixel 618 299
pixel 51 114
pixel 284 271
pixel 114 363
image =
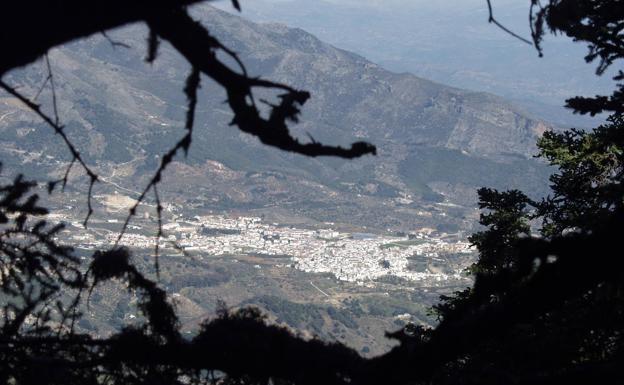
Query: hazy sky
pixel 448 41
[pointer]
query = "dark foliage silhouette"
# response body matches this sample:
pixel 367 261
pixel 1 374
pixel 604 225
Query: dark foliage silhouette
pixel 543 309
pixel 599 25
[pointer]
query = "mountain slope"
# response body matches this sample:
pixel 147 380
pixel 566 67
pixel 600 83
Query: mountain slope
pixel 435 142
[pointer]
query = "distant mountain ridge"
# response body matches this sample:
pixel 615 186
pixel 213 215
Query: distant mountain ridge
pixel 122 112
pixel 380 102
pixel 451 43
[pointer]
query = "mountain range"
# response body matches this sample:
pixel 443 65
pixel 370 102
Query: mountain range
pixel 436 144
pixel 451 42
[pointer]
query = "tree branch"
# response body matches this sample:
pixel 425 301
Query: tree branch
pixel 196 44
pixel 491 19
pixel 29 28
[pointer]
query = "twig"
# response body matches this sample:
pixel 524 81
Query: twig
pixel 491 19
pixel 152 46
pixel 114 43
pixel 53 88
pixel 89 196
pixel 190 89
pixel 66 176
pixel 45 82
pixel 36 108
pixel 188 35
pixel 160 231
pixel 536 26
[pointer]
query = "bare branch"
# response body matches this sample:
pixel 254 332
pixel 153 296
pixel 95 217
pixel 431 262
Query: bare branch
pixel 53 89
pixel 39 22
pixel 92 181
pixel 166 160
pixel 190 89
pixel 36 108
pixel 491 19
pixel 196 44
pixel 45 82
pixel 66 176
pixel 152 46
pixel 114 43
pixel 160 230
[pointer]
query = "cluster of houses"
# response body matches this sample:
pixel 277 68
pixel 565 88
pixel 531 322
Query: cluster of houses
pixel 347 256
